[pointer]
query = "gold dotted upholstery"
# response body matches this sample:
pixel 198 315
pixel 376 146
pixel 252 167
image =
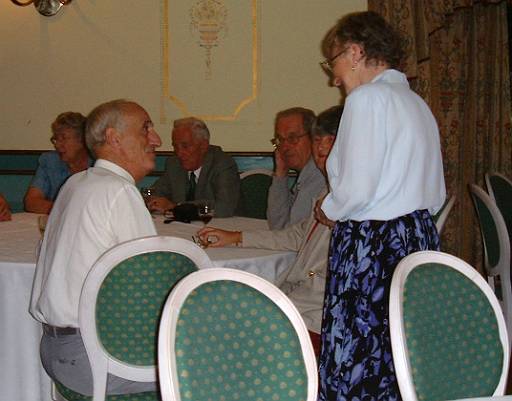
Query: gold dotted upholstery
pixel 452 335
pixel 234 344
pixel 128 308
pixel 130 301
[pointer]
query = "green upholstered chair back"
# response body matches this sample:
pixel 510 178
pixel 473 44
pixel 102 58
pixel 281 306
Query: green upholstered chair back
pixel 454 333
pixel 121 303
pixel 130 301
pixel 233 342
pixel 487 228
pixel 254 187
pixel 500 189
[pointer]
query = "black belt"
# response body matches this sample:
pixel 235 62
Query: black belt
pixel 53 331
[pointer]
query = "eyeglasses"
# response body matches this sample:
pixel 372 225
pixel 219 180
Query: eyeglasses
pixel 59 139
pixel 328 63
pixel 292 140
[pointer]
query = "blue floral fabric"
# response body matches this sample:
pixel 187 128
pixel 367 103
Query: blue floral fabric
pixel 356 361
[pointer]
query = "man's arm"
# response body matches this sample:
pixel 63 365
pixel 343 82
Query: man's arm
pixel 162 199
pixel 279 203
pixel 226 189
pixel 279 196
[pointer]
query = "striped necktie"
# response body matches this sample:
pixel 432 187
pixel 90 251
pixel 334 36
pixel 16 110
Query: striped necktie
pixel 191 191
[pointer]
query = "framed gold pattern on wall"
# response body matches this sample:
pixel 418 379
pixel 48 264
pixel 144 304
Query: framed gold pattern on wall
pixel 209 58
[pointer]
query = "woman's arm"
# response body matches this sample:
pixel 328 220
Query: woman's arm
pixel 36 202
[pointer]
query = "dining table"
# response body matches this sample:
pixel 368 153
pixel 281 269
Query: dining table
pixel 22 377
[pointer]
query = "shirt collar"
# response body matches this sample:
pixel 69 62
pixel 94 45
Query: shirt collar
pixel 115 168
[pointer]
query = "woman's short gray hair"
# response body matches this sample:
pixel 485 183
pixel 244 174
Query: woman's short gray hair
pixel 197 126
pixel 106 115
pixel 70 119
pixel 327 121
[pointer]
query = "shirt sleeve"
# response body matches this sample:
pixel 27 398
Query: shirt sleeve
pixel 227 189
pixel 41 178
pixel 162 186
pixel 130 218
pixel 289 239
pixel 279 203
pixel 355 164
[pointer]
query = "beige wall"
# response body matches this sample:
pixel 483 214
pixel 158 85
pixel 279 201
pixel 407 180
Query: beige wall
pixel 96 50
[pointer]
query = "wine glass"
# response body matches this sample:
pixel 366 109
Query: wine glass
pixel 146 193
pixel 205 211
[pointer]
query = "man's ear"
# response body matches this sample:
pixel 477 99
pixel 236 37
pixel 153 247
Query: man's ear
pixel 112 137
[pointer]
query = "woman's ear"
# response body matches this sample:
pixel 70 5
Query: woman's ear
pixel 357 52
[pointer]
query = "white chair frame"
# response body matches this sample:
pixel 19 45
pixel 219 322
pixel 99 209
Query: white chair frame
pixel 444 214
pixel 101 362
pixel 400 351
pixel 169 384
pixel 502 268
pixel 256 171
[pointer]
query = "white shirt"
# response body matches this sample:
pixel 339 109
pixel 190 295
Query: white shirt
pixel 95 210
pixel 386 161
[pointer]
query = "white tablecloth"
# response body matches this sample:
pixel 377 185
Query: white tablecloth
pixel 22 378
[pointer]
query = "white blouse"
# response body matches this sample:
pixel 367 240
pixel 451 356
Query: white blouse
pixel 386 161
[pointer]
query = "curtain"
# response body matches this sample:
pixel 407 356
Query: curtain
pixel 458 61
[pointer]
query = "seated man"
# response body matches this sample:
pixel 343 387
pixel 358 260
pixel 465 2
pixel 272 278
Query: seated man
pixel 5 212
pixel 293 151
pixel 198 171
pixel 70 156
pixel 304 281
pixel 95 210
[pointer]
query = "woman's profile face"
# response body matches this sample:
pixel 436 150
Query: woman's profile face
pixel 340 63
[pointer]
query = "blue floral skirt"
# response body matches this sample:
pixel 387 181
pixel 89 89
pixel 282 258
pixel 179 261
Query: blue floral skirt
pixel 356 362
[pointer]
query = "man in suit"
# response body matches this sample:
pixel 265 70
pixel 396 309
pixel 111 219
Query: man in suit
pixel 304 281
pixel 198 171
pixel 292 138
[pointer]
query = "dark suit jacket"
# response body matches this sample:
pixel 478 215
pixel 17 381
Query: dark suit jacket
pixel 219 181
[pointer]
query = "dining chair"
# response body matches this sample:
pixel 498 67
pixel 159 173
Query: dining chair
pixel 229 335
pixel 500 190
pixel 120 307
pixel 441 216
pixel 496 243
pixel 448 334
pixel 254 185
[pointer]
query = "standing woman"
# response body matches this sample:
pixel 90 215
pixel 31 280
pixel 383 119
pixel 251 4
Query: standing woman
pixel 386 178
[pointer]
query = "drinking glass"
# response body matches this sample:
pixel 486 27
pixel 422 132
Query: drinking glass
pixel 205 211
pixel 146 194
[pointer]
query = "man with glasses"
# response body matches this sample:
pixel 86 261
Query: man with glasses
pixel 287 206
pixel 69 157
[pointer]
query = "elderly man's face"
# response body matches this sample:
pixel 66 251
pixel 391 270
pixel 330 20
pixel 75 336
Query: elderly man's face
pixel 190 150
pixel 321 147
pixel 295 145
pixel 138 142
pixel 68 144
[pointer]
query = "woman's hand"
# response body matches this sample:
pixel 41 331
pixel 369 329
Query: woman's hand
pixel 320 215
pixel 215 237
